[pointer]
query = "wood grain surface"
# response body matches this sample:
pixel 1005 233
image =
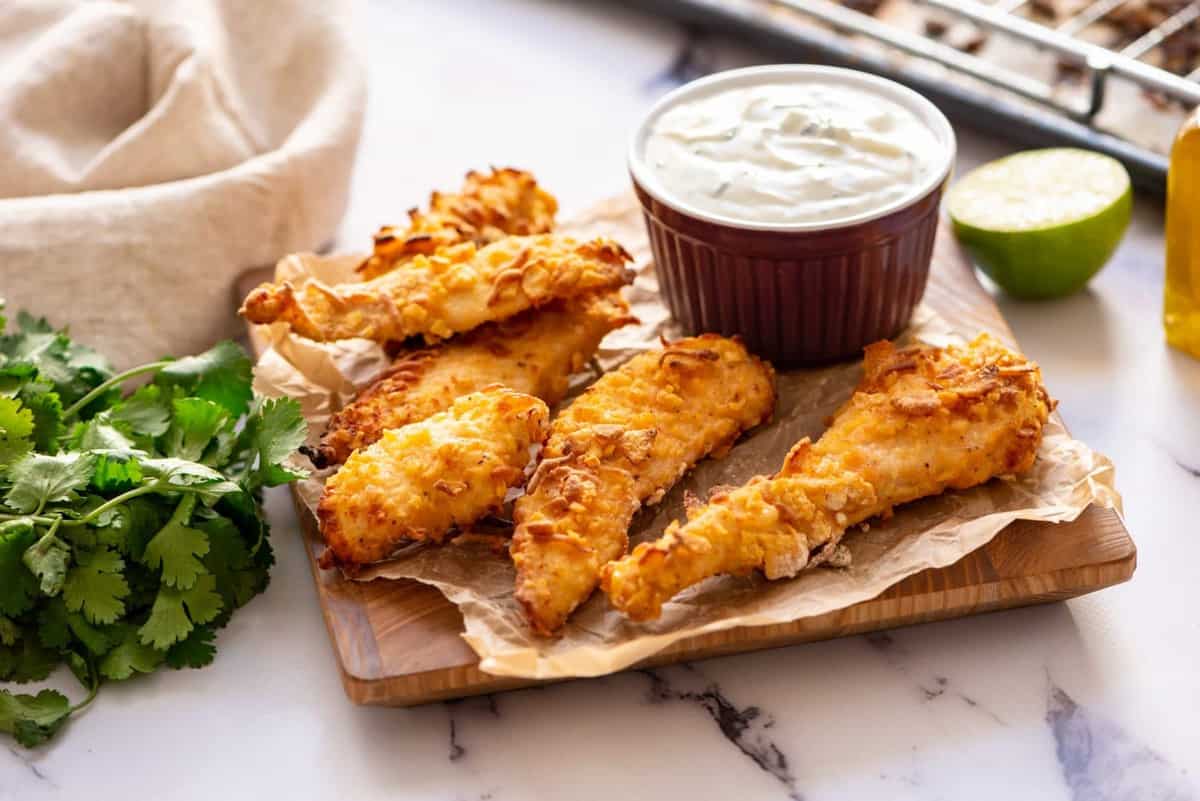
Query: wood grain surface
pixel 398 643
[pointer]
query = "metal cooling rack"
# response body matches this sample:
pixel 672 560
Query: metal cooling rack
pixel 1024 108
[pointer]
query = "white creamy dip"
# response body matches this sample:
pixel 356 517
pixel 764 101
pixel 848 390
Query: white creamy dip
pixel 809 151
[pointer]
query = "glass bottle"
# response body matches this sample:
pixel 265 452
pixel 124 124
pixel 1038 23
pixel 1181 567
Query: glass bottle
pixel 1181 307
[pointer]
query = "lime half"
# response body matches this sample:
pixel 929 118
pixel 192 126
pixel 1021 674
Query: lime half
pixel 1043 222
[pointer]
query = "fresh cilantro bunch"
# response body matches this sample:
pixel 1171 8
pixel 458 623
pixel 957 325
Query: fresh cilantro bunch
pixel 130 525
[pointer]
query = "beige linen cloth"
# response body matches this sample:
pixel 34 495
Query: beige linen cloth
pixel 154 149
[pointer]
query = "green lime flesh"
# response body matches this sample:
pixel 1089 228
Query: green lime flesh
pixel 1043 222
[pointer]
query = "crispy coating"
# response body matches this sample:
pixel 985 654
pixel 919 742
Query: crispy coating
pixel 534 352
pixel 923 420
pixel 486 209
pixel 421 481
pixel 454 290
pixel 623 442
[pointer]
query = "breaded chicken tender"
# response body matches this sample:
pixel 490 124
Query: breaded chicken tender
pixel 454 290
pixel 923 420
pixel 534 352
pixel 625 441
pixel 419 482
pixel 486 209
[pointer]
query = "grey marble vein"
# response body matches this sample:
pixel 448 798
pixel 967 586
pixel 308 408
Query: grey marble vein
pixel 457 750
pixel 938 690
pixel 744 727
pixel 1101 761
pixel 896 655
pixel 1187 468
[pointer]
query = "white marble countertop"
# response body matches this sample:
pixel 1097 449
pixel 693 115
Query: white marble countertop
pixel 1091 699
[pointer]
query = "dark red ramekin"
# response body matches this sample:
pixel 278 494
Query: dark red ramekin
pixel 810 294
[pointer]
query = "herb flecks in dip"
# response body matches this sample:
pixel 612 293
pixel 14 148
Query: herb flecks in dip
pixel 804 152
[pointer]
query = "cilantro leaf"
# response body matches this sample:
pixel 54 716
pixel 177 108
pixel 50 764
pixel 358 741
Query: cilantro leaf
pixel 18 586
pixel 129 656
pixel 188 475
pixel 8 631
pixel 146 412
pixel 273 431
pixel 15 377
pixel 131 526
pixel 100 434
pixel 138 526
pixel 53 629
pixel 95 586
pixel 83 668
pixel 40 398
pixel 143 589
pixel 176 548
pixel 116 470
pixel 194 424
pixel 96 639
pixel 281 429
pixel 47 559
pixel 39 479
pixel 222 374
pixel 176 612
pixel 264 559
pixel 238 578
pixel 33 719
pixel 26 661
pixel 196 651
pixel 73 369
pixel 16 429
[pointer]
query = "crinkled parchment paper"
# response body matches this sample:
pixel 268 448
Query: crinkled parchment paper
pixel 478 577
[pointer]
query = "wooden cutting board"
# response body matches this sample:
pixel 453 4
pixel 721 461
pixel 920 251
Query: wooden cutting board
pixel 398 643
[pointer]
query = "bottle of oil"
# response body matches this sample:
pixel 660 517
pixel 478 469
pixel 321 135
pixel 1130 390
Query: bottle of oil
pixel 1181 308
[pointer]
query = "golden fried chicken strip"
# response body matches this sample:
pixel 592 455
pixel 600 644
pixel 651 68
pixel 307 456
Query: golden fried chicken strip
pixel 623 442
pixel 454 290
pixel 534 352
pixel 486 209
pixel 923 420
pixel 420 481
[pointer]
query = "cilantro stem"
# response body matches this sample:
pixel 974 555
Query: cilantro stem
pixel 119 378
pixel 183 511
pixel 91 696
pixel 49 535
pixel 45 521
pixel 145 489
